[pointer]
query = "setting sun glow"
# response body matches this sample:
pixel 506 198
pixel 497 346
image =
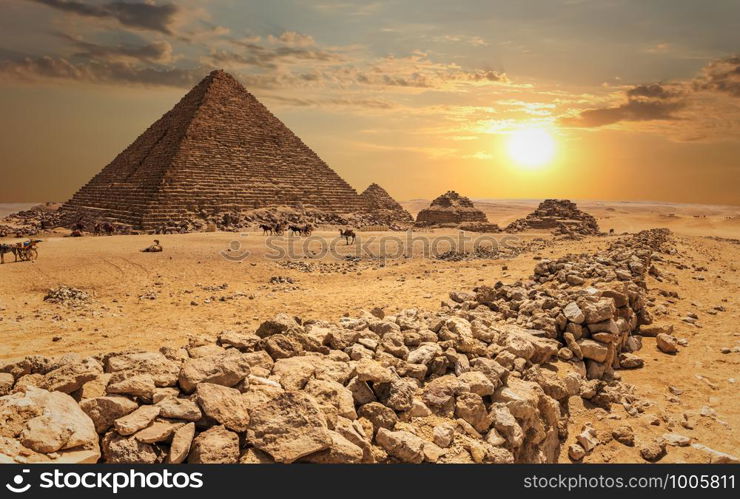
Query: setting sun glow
pixel 531 147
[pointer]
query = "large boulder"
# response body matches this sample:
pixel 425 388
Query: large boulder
pixel 289 427
pixel 36 422
pixel 224 405
pixel 227 369
pixel 216 445
pixel 163 371
pixel 105 410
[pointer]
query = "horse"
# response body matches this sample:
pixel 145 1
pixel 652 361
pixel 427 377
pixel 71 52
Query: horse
pixel 296 230
pixel 266 229
pixel 307 230
pixel 279 228
pixel 108 228
pixel 348 234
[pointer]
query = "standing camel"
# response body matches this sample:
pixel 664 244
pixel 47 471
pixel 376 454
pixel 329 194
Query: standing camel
pixel 348 234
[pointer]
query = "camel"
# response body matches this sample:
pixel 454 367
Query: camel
pixel 154 248
pixel 348 234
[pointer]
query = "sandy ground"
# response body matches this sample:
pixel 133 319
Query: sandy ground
pixel 146 300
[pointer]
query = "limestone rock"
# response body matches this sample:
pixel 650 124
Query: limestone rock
pixel 227 370
pixel 181 441
pixel 216 445
pixel 404 446
pixel 341 451
pixel 653 451
pixel 667 343
pixel 163 371
pixel 39 421
pixel 289 427
pixel 137 420
pixel 118 449
pixel 71 377
pixel 104 410
pixel 224 405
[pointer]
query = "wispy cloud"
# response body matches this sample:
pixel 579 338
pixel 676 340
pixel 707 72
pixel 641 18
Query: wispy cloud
pixel 141 15
pixel 693 106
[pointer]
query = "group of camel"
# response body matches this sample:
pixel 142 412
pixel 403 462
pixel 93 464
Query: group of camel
pixel 99 229
pixel 25 252
pixel 278 229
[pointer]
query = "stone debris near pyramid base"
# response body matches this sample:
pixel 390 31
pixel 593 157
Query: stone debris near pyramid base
pixel 561 216
pixel 490 377
pixel 219 152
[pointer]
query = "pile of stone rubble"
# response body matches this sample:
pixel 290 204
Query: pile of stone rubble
pixel 561 216
pixel 32 221
pixel 65 295
pixel 465 384
pixel 594 304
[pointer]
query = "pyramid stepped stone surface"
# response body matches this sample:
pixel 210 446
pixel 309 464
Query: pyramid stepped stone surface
pixel 448 208
pixel 380 202
pixel 561 215
pixel 218 150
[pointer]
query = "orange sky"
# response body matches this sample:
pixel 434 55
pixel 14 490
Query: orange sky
pixel 643 101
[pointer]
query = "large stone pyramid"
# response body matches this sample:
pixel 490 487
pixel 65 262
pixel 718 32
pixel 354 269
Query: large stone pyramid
pixel 217 150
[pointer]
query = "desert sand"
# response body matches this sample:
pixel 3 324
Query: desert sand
pixel 203 284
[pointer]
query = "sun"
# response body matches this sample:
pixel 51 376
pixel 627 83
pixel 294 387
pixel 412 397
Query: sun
pixel 531 147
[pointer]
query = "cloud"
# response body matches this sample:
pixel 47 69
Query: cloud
pixel 41 68
pixel 632 110
pixel 647 102
pixel 652 91
pixel 147 16
pixel 701 108
pixel 159 51
pixel 722 75
pixel 334 102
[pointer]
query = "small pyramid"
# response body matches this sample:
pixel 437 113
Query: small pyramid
pixel 218 150
pixel 377 200
pixel 450 207
pixel 562 215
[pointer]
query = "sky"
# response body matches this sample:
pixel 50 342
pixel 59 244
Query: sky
pixel 640 98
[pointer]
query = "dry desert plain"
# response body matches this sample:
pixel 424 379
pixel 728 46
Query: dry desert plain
pixel 198 287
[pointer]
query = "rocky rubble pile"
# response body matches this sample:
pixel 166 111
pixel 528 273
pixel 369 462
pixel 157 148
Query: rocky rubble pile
pixel 595 305
pixel 250 220
pixel 418 386
pixel 65 295
pixel 32 221
pixel 560 215
pixel 450 208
